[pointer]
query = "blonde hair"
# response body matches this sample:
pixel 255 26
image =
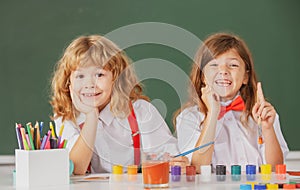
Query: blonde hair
pixel 212 47
pixel 94 49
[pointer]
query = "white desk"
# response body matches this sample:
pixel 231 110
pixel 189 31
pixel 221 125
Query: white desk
pixel 7 182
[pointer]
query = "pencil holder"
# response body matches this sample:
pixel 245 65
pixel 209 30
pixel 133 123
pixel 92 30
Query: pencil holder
pixel 42 167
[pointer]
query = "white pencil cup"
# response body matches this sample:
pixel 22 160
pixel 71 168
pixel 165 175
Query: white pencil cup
pixel 42 167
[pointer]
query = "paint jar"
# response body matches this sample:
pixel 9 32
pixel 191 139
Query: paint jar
pixel 266 171
pixel 117 173
pixel 175 173
pixel 289 186
pixel 280 171
pixel 251 172
pixel 236 173
pixel 259 186
pixel 221 172
pixel 132 171
pixel 272 186
pixel 205 173
pixel 190 173
pixel 245 187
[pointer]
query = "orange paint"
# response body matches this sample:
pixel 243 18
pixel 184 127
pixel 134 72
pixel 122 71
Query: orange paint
pixel 155 172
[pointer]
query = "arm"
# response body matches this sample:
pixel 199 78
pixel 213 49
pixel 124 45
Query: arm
pixel 264 111
pixel 82 151
pixel 208 128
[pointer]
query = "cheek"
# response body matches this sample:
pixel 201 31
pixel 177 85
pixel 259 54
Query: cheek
pixel 76 86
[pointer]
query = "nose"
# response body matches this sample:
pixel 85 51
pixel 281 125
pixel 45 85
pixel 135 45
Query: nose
pixel 90 83
pixel 223 70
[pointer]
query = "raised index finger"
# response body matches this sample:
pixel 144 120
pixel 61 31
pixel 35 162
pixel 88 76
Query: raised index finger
pixel 259 93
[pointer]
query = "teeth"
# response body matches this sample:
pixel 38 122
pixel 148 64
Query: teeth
pixel 223 83
pixel 89 95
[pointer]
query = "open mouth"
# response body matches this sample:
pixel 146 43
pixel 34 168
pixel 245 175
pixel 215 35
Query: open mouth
pixel 223 82
pixel 90 94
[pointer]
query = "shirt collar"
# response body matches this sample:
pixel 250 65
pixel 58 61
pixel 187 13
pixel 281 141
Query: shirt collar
pixel 105 115
pixel 229 101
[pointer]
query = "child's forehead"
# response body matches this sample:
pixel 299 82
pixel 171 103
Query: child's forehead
pixel 88 67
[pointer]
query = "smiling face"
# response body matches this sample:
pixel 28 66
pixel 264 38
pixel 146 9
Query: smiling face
pixel 226 74
pixel 93 85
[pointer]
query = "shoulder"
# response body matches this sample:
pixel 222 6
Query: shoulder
pixel 141 105
pixel 190 115
pixel 192 111
pixel 144 109
pixel 68 124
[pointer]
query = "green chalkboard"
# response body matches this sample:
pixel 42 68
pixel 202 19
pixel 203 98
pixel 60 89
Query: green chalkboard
pixel 34 33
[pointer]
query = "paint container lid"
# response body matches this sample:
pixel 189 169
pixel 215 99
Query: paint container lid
pixel 281 169
pixel 117 169
pixel 250 169
pixel 132 169
pixel 190 170
pixel 71 167
pixel 272 186
pixel 260 186
pixel 266 169
pixel 220 169
pixel 245 187
pixel 205 170
pixel 175 170
pixel 289 186
pixel 235 170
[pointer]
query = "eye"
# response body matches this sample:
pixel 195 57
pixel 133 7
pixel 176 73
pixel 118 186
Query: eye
pixel 99 75
pixel 79 76
pixel 213 64
pixel 234 65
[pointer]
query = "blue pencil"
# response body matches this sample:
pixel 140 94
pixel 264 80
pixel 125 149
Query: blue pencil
pixel 194 149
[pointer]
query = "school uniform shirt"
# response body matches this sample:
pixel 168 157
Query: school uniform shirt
pixel 114 145
pixel 234 143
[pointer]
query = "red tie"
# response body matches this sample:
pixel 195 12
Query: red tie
pixel 237 105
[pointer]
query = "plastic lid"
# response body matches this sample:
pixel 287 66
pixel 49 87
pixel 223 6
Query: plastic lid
pixel 190 170
pixel 289 186
pixel 266 169
pixel 250 169
pixel 175 170
pixel 132 169
pixel 71 167
pixel 281 169
pixel 220 169
pixel 117 169
pixel 272 186
pixel 235 170
pixel 245 187
pixel 260 186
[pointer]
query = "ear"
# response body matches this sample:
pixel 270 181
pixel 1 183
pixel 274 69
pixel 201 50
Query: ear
pixel 246 77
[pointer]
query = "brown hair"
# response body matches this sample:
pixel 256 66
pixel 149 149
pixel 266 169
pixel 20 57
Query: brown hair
pixel 212 47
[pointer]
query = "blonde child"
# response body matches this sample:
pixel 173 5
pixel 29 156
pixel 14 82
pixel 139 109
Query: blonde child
pixel 226 105
pixel 97 97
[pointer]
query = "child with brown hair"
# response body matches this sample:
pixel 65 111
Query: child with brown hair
pixel 227 106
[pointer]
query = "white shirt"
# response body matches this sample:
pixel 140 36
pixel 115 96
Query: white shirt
pixel 114 145
pixel 234 143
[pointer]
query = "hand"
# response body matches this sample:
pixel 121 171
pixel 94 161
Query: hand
pixel 181 161
pixel 79 105
pixel 263 110
pixel 211 99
